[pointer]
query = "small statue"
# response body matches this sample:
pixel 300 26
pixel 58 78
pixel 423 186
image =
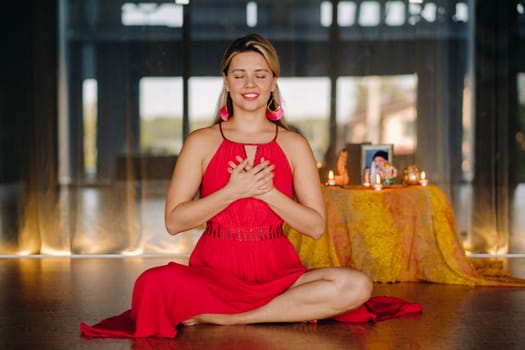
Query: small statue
pixel 389 174
pixel 342 178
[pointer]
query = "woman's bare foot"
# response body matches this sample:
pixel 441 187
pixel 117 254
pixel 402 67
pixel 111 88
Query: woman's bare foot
pixel 217 319
pixel 190 322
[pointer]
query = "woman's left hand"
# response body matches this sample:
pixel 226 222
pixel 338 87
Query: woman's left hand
pixel 262 171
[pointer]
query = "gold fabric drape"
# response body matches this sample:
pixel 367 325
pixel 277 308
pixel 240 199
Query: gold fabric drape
pixel 398 234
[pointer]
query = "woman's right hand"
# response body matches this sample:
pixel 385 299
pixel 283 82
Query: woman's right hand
pixel 247 181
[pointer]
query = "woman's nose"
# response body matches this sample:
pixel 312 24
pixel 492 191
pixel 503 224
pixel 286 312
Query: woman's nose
pixel 250 81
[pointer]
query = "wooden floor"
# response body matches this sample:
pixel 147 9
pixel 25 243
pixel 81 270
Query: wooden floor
pixel 43 300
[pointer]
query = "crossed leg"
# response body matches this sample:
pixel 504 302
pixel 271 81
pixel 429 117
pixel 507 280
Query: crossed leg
pixel 317 294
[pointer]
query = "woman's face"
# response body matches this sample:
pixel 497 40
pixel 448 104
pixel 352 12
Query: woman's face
pixel 249 81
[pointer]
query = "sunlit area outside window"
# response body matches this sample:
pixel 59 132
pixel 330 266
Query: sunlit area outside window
pixel 152 14
pixel 379 110
pixel 89 105
pixel 203 98
pixel 160 106
pixel 306 103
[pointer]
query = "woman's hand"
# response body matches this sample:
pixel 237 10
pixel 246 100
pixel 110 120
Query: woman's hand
pixel 248 181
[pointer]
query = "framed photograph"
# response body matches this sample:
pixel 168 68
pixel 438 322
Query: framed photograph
pixel 369 152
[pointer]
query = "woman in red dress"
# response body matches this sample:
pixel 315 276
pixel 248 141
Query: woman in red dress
pixel 252 174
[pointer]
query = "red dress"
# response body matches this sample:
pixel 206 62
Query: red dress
pixel 241 262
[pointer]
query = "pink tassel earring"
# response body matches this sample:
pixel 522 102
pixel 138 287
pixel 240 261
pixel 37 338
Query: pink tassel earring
pixel 223 112
pixel 274 114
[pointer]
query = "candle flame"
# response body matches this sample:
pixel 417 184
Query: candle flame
pixel 331 175
pixel 378 179
pixel 423 175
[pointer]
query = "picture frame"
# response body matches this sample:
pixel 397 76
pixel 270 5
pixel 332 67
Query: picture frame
pixel 368 151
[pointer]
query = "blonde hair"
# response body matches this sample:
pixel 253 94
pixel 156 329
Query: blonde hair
pixel 251 43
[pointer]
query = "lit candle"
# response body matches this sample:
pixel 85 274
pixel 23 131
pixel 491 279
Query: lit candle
pixel 377 185
pixel 331 181
pixel 423 181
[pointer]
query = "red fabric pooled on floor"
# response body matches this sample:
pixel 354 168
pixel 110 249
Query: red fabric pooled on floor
pixel 380 308
pixel 121 326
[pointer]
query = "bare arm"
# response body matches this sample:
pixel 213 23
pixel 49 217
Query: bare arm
pixel 307 214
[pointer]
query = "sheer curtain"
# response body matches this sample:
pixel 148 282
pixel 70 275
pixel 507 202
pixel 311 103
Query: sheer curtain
pixel 96 144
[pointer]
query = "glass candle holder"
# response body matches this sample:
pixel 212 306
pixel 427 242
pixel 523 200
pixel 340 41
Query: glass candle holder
pixel 423 180
pixel 331 181
pixel 411 175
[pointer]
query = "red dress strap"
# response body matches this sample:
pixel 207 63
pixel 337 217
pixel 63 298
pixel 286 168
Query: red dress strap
pixel 222 133
pixel 249 144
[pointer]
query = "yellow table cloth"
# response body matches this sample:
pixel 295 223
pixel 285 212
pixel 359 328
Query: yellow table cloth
pixel 398 234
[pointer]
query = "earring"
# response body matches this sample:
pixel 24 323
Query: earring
pixel 275 114
pixel 223 112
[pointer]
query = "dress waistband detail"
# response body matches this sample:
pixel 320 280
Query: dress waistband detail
pixel 247 233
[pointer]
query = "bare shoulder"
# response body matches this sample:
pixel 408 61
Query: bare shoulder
pixel 290 140
pixel 203 139
pixel 199 147
pixel 296 148
pixel 206 134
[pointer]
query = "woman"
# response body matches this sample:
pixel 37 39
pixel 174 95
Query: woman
pixel 252 174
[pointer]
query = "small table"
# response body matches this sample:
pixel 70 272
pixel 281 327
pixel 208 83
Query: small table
pixel 397 234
